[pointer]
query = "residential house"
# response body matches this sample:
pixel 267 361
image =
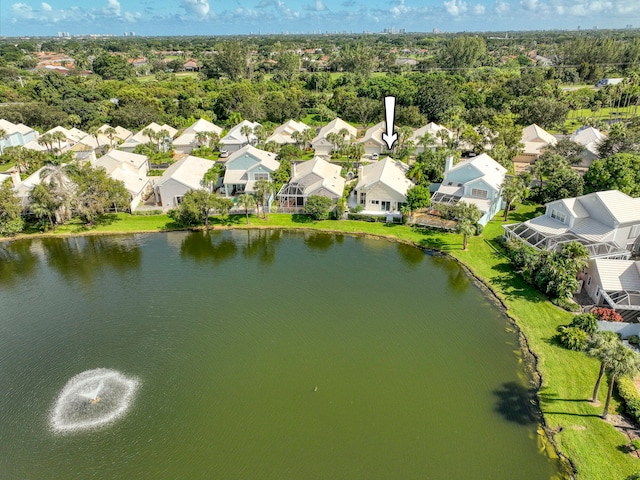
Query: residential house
pixel 283 134
pixel 372 140
pixel 535 141
pixel 435 131
pixel 119 136
pixel 590 139
pixel 382 187
pixel 72 136
pixel 235 139
pixel 23 188
pixel 189 138
pixel 322 146
pixel 15 134
pixel 245 167
pixel 475 181
pixel 606 223
pixel 313 177
pixel 614 284
pixel 184 175
pixel 191 65
pixel 131 169
pixel 141 138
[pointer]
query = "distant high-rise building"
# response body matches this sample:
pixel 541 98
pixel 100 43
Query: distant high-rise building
pixel 132 34
pixel 126 34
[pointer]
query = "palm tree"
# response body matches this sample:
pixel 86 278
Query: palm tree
pixel 263 190
pixel 162 135
pixel 467 216
pixel 427 141
pixel 296 136
pixel 246 201
pixel 150 134
pixel 214 140
pixel 201 138
pixel 621 361
pixel 59 137
pixel 261 134
pixel 47 141
pixel 308 135
pixel 111 133
pixel 246 130
pixel 95 133
pixel 600 347
pixel 512 189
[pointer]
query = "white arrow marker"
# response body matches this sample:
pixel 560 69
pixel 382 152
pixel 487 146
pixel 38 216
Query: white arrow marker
pixel 389 113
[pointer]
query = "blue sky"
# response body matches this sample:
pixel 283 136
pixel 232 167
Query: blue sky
pixel 224 17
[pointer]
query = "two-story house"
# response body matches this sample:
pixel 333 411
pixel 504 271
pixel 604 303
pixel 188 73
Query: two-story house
pixel 184 175
pixel 313 177
pixel 381 188
pixel 239 136
pixel 245 167
pixel 606 223
pixel 476 181
pixel 323 146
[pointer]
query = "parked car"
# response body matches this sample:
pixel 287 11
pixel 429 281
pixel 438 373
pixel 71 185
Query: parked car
pixel 375 156
pixel 224 153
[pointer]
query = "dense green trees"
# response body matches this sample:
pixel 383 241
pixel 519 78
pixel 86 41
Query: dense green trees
pixel 10 210
pixel 617 172
pixel 112 67
pixel 318 207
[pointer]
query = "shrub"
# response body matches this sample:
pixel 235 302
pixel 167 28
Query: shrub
pixel 586 321
pixel 566 304
pixel 573 338
pixel 634 340
pixel 607 314
pixel 357 209
pixel 629 393
pixel 318 207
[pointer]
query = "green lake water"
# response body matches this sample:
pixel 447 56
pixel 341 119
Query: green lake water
pixel 261 355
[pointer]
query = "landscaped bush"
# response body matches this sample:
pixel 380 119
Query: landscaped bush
pixel 629 393
pixel 372 218
pixel 573 338
pixel 607 314
pixel 146 213
pixel 587 322
pixel 566 304
pixel 634 340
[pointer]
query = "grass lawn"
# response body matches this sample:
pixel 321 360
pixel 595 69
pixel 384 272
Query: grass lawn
pixel 592 445
pixel 6 166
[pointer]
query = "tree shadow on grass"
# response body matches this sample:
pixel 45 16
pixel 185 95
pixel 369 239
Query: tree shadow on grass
pixel 516 217
pixel 227 221
pixel 512 285
pixel 517 403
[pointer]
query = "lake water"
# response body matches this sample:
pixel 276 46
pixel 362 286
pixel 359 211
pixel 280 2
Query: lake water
pixel 261 355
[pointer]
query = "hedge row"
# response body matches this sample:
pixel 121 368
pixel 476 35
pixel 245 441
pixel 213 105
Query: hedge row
pixel 629 393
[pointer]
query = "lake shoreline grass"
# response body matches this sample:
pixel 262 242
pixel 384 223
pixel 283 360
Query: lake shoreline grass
pixel 588 446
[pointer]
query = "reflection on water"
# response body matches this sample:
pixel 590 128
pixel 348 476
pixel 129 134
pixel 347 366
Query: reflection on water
pixel 85 257
pixel 412 256
pixel 16 257
pixel 321 241
pixel 208 246
pixel 261 244
pixel 457 279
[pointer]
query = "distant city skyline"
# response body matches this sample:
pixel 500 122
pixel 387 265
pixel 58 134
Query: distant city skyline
pixel 215 17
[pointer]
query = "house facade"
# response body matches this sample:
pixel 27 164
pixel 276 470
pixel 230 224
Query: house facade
pixel 313 177
pixel 189 138
pixel 131 169
pixel 16 134
pixel 184 175
pixel 372 140
pixel 535 141
pixel 476 181
pixel 614 284
pixel 141 138
pixel 590 139
pixel 245 167
pixel 283 134
pixel 606 223
pixel 322 146
pixel 234 140
pixel 381 188
pixel 435 131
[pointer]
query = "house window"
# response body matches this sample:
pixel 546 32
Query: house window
pixel 561 217
pixel 363 198
pixel 589 280
pixel 634 231
pixel 478 193
pixel 375 202
pixel 261 176
pixel 179 199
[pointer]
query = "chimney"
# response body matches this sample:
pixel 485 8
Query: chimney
pixel 15 177
pixel 448 163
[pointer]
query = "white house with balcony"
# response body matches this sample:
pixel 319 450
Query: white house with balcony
pixel 245 167
pixel 313 177
pixel 606 223
pixel 476 181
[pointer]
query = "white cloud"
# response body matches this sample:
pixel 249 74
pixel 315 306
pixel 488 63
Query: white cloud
pixel 197 8
pixel 317 6
pixel 455 7
pixel 502 7
pixel 45 7
pixel 479 9
pixel 530 5
pixel 47 15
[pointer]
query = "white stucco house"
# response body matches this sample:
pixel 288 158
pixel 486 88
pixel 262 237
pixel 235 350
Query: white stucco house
pixel 322 146
pixel 245 167
pixel 283 134
pixel 606 223
pixel 131 169
pixel 141 138
pixel 372 140
pixel 435 131
pixel 234 140
pixel 313 177
pixel 590 139
pixel 184 175
pixel 71 137
pixel 119 136
pixel 535 141
pixel 476 181
pixel 189 140
pixel 381 188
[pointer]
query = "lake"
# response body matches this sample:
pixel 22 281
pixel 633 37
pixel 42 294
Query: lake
pixel 261 355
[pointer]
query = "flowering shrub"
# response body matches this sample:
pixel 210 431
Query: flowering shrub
pixel 607 314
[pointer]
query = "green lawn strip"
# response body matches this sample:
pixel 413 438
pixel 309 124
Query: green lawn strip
pixel 592 445
pixel 6 166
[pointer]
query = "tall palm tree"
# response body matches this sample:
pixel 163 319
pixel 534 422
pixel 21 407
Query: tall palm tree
pixel 246 201
pixel 600 347
pixel 246 130
pixel 308 134
pixel 201 138
pixel 47 141
pixel 512 189
pixel 59 137
pixel 263 191
pixel 111 133
pixel 622 361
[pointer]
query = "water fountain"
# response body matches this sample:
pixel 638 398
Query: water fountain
pixel 92 399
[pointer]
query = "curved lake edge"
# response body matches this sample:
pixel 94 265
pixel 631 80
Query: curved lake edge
pixel 530 357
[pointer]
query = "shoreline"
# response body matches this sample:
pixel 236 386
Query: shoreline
pixel 530 358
